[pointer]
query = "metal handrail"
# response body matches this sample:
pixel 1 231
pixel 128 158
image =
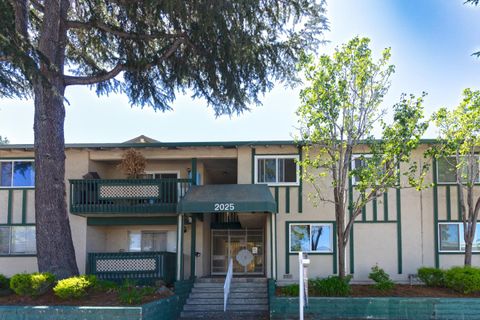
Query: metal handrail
pixel 226 286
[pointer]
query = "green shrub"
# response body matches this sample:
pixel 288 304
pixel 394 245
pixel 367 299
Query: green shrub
pixel 33 284
pixel 463 279
pixel 105 286
pixel 332 286
pixel 290 290
pixel 432 277
pixel 4 282
pixel 130 294
pixel 74 287
pixel 381 278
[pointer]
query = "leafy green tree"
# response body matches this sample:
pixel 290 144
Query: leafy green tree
pixel 340 108
pixel 227 52
pixel 459 138
pixel 4 140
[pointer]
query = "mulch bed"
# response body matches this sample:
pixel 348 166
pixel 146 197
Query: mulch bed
pixel 92 299
pixel 403 290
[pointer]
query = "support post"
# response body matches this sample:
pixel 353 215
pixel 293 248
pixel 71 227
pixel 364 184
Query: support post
pixel 193 247
pixel 179 275
pixel 273 233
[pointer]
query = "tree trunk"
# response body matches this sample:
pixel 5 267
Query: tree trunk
pixel 340 219
pixel 468 254
pixel 55 251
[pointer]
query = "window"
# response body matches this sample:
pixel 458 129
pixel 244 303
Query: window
pixel 17 173
pixel 447 171
pixel 281 170
pixel 17 240
pixel 360 161
pixel 451 238
pixel 147 241
pixel 313 237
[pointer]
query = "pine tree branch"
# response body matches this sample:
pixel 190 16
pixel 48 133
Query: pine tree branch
pixel 118 32
pixel 107 75
pixel 37 5
pixel 100 77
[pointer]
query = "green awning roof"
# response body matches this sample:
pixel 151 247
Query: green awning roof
pixel 228 198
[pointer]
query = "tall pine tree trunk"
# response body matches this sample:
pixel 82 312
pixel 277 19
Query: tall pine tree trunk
pixel 55 251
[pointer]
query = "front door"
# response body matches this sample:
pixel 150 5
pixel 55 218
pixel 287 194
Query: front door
pixel 244 246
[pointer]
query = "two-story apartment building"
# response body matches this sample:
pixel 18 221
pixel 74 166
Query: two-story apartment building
pixel 201 203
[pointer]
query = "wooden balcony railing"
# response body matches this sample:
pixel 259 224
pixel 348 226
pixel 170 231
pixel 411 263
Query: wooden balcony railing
pixel 126 195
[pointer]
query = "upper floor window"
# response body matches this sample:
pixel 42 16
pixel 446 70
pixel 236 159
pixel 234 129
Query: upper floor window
pixel 277 170
pixel 17 173
pixel 447 170
pixel 17 240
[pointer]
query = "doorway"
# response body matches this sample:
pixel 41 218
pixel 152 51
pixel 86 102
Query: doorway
pixel 244 246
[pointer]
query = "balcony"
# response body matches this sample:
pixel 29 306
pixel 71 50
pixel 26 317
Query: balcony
pixel 93 196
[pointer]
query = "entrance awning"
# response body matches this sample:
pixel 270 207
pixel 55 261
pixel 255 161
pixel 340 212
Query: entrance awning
pixel 228 198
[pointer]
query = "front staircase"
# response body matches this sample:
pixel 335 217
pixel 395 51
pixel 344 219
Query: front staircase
pixel 248 299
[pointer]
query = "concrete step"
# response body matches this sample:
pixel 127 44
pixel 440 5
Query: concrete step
pixel 233 289
pixel 234 280
pixel 231 307
pixel 233 295
pixel 231 301
pixel 220 315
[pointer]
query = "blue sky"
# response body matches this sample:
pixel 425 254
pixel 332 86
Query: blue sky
pixel 431 41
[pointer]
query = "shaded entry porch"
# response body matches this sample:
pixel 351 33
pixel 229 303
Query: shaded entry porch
pixel 248 238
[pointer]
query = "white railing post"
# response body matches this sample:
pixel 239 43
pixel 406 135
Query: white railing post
pixel 303 283
pixel 226 286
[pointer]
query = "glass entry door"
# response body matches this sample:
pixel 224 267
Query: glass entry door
pixel 244 246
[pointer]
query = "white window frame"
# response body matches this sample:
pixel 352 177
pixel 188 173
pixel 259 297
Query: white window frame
pixel 277 157
pixel 141 232
pixel 10 253
pixel 12 161
pixel 330 225
pixel 354 157
pixel 455 182
pixel 460 237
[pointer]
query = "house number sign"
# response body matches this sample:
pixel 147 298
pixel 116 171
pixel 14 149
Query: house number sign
pixel 228 206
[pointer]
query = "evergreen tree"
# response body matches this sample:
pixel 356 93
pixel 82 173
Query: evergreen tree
pixel 227 52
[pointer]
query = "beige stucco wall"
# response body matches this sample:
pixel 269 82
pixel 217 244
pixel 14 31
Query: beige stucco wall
pixel 373 242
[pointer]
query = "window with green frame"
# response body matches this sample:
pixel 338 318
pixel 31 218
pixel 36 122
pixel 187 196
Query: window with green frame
pixel 310 237
pixel 451 237
pixel 17 240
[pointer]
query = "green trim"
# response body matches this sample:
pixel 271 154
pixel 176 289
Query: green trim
pixel 399 232
pixel 287 250
pixel 287 200
pixel 253 165
pixel 194 171
pixel 459 204
pixel 375 222
pixel 300 183
pixel 374 208
pixel 276 250
pixel 193 247
pixel 276 198
pixel 130 221
pixel 17 225
pixel 364 214
pixel 24 207
pixel 10 207
pixel 17 158
pixel 17 188
pixel 435 213
pixel 385 206
pixel 350 213
pixel 334 257
pixel 449 203
pixel 271 245
pixel 459 252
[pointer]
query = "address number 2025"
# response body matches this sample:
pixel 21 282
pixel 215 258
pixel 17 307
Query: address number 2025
pixel 224 206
